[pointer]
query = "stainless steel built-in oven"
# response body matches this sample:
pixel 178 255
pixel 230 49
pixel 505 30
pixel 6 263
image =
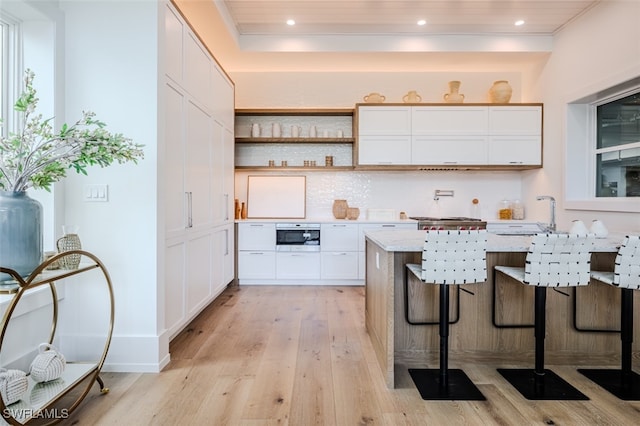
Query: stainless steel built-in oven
pixel 297 236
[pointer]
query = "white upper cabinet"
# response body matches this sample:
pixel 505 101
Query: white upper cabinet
pixel 516 135
pixel 515 150
pixel 222 96
pixel 384 150
pixel 478 135
pixel 449 120
pixel 449 150
pixel 515 120
pixel 197 70
pixel 383 120
pixel 174 55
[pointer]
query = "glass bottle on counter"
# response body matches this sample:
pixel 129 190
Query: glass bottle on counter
pixel 504 211
pixel 517 210
pixel 475 211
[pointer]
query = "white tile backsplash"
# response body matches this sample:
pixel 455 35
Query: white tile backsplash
pixel 411 191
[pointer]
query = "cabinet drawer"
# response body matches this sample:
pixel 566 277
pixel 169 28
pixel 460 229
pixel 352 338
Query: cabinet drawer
pixel 298 265
pixel 256 236
pixel 256 265
pixel 340 265
pixel 339 237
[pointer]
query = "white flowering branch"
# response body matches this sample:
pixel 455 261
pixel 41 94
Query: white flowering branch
pixel 37 157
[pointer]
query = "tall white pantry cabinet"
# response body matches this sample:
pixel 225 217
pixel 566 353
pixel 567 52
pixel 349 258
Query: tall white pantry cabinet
pixel 198 101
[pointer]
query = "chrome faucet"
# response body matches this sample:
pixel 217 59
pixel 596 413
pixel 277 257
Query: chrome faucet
pixel 552 221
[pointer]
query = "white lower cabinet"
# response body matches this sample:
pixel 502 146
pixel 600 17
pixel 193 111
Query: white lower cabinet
pixel 256 251
pixel 339 243
pixel 298 265
pixel 340 260
pixel 256 265
pixel 341 265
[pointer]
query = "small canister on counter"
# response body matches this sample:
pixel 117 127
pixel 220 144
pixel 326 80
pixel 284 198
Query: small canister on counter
pixel 504 211
pixel 517 210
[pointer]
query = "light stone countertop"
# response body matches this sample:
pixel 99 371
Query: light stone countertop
pixel 413 241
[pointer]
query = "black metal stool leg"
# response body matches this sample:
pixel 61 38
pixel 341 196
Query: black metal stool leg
pixel 540 383
pixel 444 383
pixel 623 383
pixel 444 336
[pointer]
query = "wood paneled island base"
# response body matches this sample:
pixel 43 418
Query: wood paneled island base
pixel 473 338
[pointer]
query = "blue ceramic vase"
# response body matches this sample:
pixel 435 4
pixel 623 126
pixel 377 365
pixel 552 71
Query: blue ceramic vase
pixel 20 233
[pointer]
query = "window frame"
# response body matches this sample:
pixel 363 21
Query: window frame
pixel 616 148
pixel 11 70
pixel 580 156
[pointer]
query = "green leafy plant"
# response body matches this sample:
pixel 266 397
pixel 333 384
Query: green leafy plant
pixel 36 157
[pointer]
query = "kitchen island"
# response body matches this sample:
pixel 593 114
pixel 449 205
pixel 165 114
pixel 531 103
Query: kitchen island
pixel 474 337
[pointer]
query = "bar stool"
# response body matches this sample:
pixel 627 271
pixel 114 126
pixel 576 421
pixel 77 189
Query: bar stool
pixel 624 382
pixel 553 260
pixel 449 257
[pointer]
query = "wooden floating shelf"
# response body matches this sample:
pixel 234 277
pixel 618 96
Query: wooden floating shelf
pixel 295 140
pixel 294 168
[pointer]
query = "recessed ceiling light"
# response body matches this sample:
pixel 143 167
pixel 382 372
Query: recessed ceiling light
pixel 422 22
pixel 519 22
pixel 291 22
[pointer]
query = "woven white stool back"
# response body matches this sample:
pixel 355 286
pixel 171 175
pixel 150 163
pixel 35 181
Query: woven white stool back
pixel 627 266
pixel 454 257
pixel 559 260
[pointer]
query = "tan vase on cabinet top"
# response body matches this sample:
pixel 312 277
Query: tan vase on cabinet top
pixel 412 97
pixel 374 98
pixel 453 97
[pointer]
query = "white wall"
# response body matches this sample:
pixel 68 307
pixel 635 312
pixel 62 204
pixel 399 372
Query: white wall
pixel 111 68
pixel 593 53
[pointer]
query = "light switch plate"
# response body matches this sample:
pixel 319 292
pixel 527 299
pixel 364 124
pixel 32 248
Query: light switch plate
pixel 99 193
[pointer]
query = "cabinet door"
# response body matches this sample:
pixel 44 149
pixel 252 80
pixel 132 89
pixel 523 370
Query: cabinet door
pixel 515 120
pixel 339 237
pixel 449 150
pixel 222 267
pixel 384 150
pixel 223 97
pixel 256 265
pixel 450 120
pixel 298 265
pixel 198 272
pixel 257 236
pixel 174 173
pixel 515 150
pixel 219 198
pixel 384 120
pixel 174 58
pixel 229 173
pixel 198 166
pixel 197 69
pixel 174 290
pixel 340 265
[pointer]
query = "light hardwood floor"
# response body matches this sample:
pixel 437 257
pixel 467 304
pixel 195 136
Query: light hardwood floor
pixel 301 356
